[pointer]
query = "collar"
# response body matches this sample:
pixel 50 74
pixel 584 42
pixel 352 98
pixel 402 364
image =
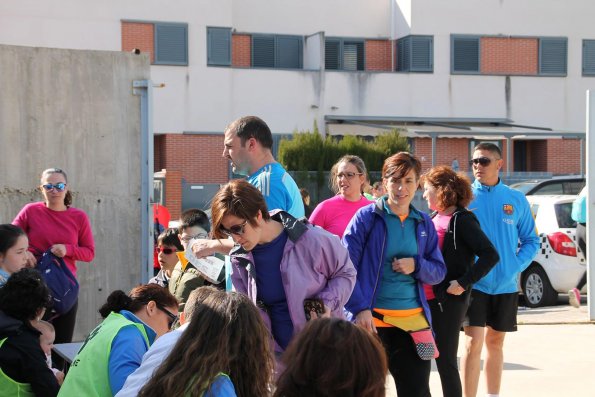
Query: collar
pixel 151 334
pixel 480 186
pixel 413 212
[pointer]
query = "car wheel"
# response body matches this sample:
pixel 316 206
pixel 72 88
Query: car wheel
pixel 537 288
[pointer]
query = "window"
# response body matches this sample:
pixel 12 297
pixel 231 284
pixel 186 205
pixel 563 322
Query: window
pixel 415 54
pixel 219 46
pixel 552 56
pixel 464 54
pixel 344 54
pixel 588 57
pixel 171 44
pixel 277 51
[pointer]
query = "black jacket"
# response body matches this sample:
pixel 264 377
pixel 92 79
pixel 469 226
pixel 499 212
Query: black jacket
pixel 463 241
pixel 22 359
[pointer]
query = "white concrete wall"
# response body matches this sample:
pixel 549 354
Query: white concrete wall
pixel 201 98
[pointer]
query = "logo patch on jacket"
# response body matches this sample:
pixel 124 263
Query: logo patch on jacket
pixel 508 209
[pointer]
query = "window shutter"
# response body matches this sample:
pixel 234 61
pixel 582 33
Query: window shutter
pixel 552 56
pixel 331 54
pixel 353 55
pixel 465 54
pixel 171 44
pixel 263 51
pixel 589 57
pixel 403 54
pixel 219 46
pixel 289 51
pixel 422 54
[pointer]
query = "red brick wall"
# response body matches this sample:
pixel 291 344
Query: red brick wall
pixel 241 50
pixel 197 157
pixel 173 193
pixel 378 55
pixel 503 55
pixel 138 35
pixel 563 156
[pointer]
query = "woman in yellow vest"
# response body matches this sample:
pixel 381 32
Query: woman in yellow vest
pixel 23 369
pixel 115 348
pixel 224 352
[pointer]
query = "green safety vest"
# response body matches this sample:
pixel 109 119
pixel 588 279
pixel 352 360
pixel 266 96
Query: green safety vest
pixel 12 388
pixel 88 374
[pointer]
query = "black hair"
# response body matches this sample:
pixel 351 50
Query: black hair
pixel 490 147
pixel 170 237
pixel 136 299
pixel 9 234
pixel 194 217
pixel 252 127
pixel 24 295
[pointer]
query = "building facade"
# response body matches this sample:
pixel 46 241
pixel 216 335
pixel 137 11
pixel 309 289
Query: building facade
pixel 449 74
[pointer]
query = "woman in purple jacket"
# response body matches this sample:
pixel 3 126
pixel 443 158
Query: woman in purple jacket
pixel 279 261
pixel 394 248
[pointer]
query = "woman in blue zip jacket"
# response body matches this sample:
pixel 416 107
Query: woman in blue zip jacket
pixel 461 240
pixel 394 248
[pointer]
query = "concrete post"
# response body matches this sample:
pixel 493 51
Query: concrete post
pixel 590 204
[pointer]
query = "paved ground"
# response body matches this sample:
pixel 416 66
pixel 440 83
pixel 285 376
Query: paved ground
pixel 552 354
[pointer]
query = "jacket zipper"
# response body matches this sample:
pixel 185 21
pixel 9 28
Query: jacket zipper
pixel 379 267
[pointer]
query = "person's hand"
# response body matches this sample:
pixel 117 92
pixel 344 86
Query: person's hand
pixel 404 265
pixel 365 320
pixel 31 261
pixel 59 377
pixel 455 288
pixel 59 250
pixel 204 247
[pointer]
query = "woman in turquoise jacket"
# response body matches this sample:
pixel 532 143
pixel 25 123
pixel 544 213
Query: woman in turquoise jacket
pixel 115 348
pixel 394 248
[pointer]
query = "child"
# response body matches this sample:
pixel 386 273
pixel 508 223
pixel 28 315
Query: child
pixel 13 251
pixel 46 340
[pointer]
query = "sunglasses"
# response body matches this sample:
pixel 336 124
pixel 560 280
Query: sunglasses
pixel 187 239
pixel 348 175
pixel 59 187
pixel 483 161
pixel 238 230
pixel 172 317
pixel 166 251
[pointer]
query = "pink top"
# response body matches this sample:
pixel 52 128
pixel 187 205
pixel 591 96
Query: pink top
pixel 334 214
pixel 441 225
pixel 46 227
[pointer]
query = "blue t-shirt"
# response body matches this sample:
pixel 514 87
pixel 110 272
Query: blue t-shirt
pixel 398 291
pixel 221 387
pixel 279 189
pixel 4 276
pixel 267 262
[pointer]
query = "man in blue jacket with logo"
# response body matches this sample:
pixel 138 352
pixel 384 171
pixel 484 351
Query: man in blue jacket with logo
pixel 505 217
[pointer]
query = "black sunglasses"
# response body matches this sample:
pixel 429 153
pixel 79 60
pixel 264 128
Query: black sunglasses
pixel 238 230
pixel 166 251
pixel 172 317
pixel 483 161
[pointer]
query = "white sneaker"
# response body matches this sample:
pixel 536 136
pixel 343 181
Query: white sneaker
pixel 574 298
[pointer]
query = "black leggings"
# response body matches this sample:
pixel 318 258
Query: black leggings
pixel 64 326
pixel 581 238
pixel 446 323
pixel 411 373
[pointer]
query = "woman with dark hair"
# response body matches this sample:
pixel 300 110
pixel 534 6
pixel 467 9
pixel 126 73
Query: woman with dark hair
pixel 347 179
pixel 13 251
pixel 394 248
pixel 55 225
pixel 280 262
pixel 331 357
pixel 461 241
pixel 23 368
pixel 115 348
pixel 224 352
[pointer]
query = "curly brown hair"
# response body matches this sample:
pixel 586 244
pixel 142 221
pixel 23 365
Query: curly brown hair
pixel 333 357
pixel 452 188
pixel 226 335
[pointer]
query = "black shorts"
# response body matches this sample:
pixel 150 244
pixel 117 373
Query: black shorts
pixel 496 311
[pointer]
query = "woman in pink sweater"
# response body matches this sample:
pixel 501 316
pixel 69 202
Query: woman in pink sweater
pixel 53 224
pixel 347 179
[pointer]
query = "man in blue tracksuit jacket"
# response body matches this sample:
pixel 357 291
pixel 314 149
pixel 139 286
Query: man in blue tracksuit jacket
pixel 505 217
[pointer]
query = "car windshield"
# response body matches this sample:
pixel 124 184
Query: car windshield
pixel 523 187
pixel 563 215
